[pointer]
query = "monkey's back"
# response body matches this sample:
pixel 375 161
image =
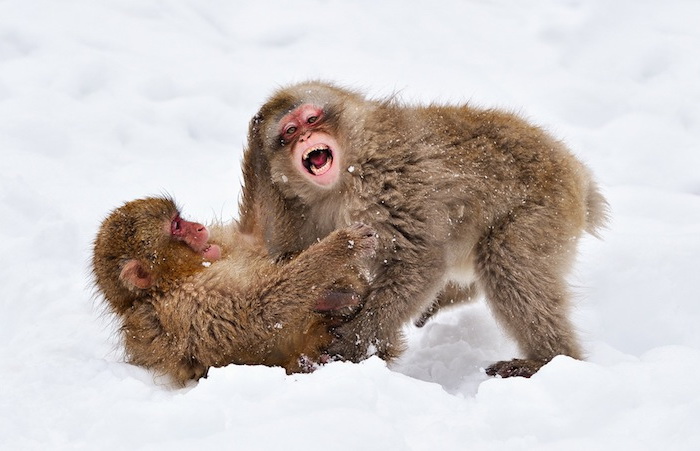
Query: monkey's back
pixel 486 164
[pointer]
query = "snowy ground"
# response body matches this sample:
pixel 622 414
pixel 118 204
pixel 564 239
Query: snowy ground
pixel 102 102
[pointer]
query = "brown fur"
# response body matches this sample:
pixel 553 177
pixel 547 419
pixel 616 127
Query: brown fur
pixel 242 309
pixel 464 200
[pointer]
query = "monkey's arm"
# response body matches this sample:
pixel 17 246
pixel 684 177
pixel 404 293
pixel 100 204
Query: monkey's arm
pixel 282 310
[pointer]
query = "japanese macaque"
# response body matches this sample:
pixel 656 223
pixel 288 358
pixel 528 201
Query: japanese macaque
pixel 464 201
pixel 186 302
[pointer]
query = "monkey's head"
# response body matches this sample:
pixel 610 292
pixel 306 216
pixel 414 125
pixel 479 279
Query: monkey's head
pixel 301 135
pixel 146 245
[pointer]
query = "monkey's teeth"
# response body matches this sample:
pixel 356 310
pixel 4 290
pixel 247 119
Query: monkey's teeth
pixel 311 150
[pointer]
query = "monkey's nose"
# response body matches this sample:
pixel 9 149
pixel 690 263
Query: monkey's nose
pixel 304 136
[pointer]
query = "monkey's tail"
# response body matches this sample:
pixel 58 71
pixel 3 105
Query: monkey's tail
pixel 597 210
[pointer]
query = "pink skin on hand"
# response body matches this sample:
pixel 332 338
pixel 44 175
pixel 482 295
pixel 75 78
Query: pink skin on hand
pixel 315 153
pixel 195 235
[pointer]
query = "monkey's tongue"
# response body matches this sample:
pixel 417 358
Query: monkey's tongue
pixel 318 161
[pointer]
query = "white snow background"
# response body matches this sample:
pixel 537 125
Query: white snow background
pixel 103 102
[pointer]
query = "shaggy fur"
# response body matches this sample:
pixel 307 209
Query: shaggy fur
pixel 464 200
pixel 241 309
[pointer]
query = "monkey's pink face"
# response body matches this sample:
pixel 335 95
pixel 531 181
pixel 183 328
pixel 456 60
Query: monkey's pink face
pixel 195 235
pixel 315 153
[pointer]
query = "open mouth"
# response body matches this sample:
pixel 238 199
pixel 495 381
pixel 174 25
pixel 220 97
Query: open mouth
pixel 318 159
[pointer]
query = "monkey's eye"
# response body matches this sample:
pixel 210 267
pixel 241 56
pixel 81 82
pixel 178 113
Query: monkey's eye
pixel 176 226
pixel 290 130
pixel 312 119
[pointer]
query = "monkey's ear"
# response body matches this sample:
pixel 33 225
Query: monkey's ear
pixel 335 300
pixel 135 275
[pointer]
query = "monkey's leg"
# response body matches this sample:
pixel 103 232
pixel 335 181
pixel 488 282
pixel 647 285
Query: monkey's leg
pixel 396 295
pixel 521 265
pixel 452 295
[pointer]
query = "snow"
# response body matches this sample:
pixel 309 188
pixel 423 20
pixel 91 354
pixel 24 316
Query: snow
pixel 103 102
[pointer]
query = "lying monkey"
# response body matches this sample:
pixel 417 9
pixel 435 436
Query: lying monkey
pixel 186 303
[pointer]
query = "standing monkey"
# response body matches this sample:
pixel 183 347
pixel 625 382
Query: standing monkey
pixel 186 304
pixel 463 200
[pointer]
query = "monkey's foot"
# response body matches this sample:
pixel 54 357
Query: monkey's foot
pixel 515 368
